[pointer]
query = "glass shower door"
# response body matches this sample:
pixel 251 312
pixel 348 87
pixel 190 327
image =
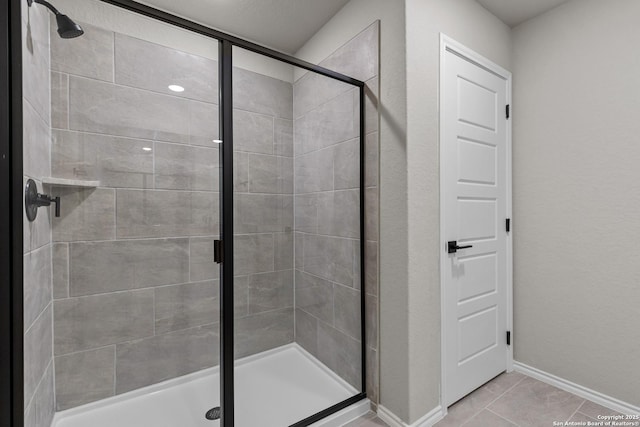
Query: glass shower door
pixel 296 236
pixel 132 132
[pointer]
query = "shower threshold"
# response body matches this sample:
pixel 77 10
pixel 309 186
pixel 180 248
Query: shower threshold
pixel 275 388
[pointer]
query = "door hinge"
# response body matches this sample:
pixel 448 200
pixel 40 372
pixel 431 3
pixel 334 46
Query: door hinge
pixel 217 251
pixel 508 111
pixel 508 225
pixel 508 337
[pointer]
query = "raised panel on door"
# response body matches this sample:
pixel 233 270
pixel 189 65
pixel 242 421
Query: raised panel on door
pixel 474 144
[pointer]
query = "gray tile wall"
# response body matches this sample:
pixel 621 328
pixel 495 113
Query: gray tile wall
pixel 38 321
pixel 327 224
pixel 134 284
pixel 263 198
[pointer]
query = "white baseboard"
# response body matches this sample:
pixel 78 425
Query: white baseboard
pixel 584 392
pixel 435 415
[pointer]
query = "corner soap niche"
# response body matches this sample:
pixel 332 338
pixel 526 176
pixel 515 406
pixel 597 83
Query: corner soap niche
pixel 63 182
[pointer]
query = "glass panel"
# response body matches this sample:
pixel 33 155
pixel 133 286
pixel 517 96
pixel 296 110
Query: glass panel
pixel 123 119
pixel 297 242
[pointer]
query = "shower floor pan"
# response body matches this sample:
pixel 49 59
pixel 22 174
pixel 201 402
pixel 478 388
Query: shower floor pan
pixel 275 388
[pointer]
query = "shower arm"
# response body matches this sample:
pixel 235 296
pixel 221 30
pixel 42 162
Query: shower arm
pixel 46 4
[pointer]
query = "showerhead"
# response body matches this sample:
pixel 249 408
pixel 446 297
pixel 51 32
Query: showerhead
pixel 67 29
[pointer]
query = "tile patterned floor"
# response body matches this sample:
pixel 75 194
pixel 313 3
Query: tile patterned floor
pixel 511 400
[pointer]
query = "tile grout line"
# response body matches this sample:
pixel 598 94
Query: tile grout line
pixel 503 417
pixel 494 400
pixel 577 409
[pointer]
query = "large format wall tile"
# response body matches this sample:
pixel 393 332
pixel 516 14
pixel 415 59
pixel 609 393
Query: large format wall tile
pixel 314 89
pixel 89 56
pixel 263 331
pixel 184 167
pixel 261 94
pixel 186 306
pixel 331 258
pixel 204 125
pixel 148 213
pixel 85 377
pixel 44 399
pixel 270 174
pixel 147 65
pixel 306 213
pixel 371 160
pixel 359 57
pixel 306 330
pixel 348 316
pixel 117 110
pixel 90 322
pixel 60 270
pixel 339 213
pixel 336 121
pixel 114 161
pixel 314 172
pixel 201 264
pixel 341 353
pixel 36 144
pixel 85 214
pixel 151 360
pixel 346 165
pixel 102 267
pixel 37 352
pixel 253 253
pixel 283 251
pixel 59 100
pixel 270 291
pixel 283 137
pixel 315 296
pixel 37 283
pixel 263 213
pixel 252 132
pixel 36 60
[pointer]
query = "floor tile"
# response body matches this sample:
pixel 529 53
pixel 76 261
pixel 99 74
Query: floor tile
pixel 578 417
pixel 504 382
pixel 466 408
pixel 533 403
pixel 592 410
pixel 487 418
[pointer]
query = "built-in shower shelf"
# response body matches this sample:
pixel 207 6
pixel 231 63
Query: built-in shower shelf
pixel 63 182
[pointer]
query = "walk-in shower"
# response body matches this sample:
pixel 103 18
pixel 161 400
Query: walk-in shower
pixel 213 251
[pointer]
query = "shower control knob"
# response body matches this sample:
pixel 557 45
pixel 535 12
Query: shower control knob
pixel 34 200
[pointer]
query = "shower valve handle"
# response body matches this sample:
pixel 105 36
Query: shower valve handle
pixel 45 200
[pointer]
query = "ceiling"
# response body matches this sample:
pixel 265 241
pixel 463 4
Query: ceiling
pixel 514 12
pixel 284 25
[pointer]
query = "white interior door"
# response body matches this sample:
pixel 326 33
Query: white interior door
pixel 475 204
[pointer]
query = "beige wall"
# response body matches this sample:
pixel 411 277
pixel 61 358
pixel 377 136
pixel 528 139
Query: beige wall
pixel 470 24
pixel 576 195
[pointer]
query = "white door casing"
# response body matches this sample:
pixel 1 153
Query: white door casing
pixel 475 174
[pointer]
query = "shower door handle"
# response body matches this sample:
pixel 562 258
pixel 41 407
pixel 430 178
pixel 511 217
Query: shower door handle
pixel 452 247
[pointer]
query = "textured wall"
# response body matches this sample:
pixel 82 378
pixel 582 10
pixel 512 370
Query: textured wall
pixel 472 25
pixel 135 286
pixel 327 203
pixel 576 190
pixel 38 355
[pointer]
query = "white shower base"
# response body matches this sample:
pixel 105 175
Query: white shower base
pixel 273 389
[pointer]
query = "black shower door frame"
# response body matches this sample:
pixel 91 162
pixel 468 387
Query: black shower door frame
pixel 11 194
